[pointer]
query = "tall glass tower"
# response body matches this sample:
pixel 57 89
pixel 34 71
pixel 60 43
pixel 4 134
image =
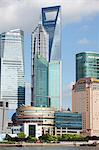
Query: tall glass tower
pixel 55 84
pixel 12 88
pixel 51 20
pixel 87 65
pixel 46 42
pixel 40 42
pixel 40 53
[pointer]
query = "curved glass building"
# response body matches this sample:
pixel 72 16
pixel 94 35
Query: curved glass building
pixel 87 65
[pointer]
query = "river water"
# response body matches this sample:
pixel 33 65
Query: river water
pixel 50 148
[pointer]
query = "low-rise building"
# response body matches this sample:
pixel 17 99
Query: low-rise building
pixel 41 116
pixel 68 123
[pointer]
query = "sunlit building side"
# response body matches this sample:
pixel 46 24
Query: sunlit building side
pixel 12 87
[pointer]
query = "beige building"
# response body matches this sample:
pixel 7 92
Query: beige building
pixel 85 100
pixel 42 116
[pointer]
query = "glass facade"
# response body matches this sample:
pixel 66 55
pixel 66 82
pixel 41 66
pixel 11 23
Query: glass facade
pixel 87 65
pixel 12 89
pixel 55 86
pixel 40 42
pixel 52 24
pixel 68 120
pixel 40 45
pixel 40 82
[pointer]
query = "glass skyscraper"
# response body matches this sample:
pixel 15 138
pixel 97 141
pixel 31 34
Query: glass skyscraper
pixel 51 20
pixel 87 65
pixel 46 43
pixel 12 88
pixel 40 46
pixel 40 42
pixel 55 84
pixel 40 82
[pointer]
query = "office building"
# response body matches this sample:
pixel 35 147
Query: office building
pixel 40 42
pixel 55 84
pixel 68 123
pixel 85 100
pixel 40 82
pixel 87 65
pixel 12 89
pixel 51 21
pixel 40 53
pixel 42 116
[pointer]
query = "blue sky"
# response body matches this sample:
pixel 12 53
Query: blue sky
pixel 77 37
pixel 80 32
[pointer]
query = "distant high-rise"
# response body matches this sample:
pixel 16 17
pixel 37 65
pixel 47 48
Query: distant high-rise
pixel 12 88
pixel 46 52
pixel 87 65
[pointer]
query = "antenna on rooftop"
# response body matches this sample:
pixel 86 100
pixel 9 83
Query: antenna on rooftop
pixel 40 20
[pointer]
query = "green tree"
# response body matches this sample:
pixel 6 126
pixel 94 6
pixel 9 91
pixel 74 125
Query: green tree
pixel 71 137
pixel 55 138
pixel 21 135
pixel 48 138
pixel 31 139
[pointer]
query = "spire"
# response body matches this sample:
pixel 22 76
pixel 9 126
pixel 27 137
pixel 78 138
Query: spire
pixel 40 20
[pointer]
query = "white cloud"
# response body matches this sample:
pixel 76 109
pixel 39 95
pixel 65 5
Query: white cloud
pixel 25 13
pixel 84 41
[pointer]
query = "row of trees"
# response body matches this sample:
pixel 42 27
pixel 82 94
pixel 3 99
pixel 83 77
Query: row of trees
pixel 47 138
pixel 66 137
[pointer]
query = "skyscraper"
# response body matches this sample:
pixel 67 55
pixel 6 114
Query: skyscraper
pixel 51 20
pixel 40 51
pixel 40 82
pixel 46 43
pixel 12 89
pixel 87 65
pixel 40 42
pixel 55 84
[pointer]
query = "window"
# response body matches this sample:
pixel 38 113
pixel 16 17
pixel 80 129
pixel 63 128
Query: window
pixel 6 104
pixel 1 104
